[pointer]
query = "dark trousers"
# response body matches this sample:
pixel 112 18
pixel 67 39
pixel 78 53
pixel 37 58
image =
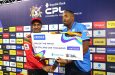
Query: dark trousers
pixel 37 72
pixel 71 69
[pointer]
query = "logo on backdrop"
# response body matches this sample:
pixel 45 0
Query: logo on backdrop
pixel 35 11
pixel 54 9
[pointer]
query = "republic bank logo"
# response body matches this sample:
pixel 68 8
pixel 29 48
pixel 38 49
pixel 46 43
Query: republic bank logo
pixel 35 11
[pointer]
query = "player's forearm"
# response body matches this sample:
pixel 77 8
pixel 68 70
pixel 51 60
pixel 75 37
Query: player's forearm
pixel 85 46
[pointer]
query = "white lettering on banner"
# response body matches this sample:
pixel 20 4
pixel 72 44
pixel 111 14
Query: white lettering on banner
pixel 44 27
pixel 88 25
pixel 55 4
pixel 14 69
pixel 100 50
pixel 112 33
pixel 111 41
pixel 53 10
pixel 110 73
pixel 112 67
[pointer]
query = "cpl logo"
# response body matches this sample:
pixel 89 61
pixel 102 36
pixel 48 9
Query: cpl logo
pixel 52 10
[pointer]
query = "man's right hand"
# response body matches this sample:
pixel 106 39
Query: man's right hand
pixel 47 68
pixel 63 61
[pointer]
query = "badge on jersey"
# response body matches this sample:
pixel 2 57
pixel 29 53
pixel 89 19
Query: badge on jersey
pixel 26 46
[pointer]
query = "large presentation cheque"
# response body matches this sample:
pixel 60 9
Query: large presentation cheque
pixel 57 45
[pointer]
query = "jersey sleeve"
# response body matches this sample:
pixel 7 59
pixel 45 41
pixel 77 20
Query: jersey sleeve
pixel 29 54
pixel 85 34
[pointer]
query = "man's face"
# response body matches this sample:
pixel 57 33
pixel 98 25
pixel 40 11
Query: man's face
pixel 36 27
pixel 67 18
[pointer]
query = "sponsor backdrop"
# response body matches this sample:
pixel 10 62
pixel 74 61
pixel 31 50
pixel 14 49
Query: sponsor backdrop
pixel 97 16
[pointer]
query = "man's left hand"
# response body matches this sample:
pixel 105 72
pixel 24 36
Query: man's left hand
pixel 62 61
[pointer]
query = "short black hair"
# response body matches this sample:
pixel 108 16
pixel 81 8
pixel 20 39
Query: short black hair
pixel 36 20
pixel 69 11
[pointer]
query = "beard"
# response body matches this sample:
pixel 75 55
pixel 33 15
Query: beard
pixel 36 31
pixel 65 24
